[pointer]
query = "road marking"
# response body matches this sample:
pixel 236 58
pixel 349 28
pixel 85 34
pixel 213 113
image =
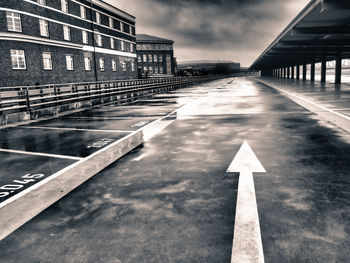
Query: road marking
pixel 42 154
pixel 72 129
pixel 99 118
pixel 140 124
pixel 339 119
pixel 20 208
pixel 247 244
pixel 314 103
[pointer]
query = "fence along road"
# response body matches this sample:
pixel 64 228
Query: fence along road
pixel 33 102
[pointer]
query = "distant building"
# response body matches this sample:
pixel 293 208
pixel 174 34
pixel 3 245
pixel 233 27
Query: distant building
pixel 155 56
pixel 60 41
pixel 208 67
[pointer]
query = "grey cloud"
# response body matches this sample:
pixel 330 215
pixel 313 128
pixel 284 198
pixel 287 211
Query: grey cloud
pixel 221 29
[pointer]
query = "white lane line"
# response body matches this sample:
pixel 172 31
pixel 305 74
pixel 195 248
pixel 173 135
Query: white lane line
pixel 339 119
pixel 247 245
pixel 313 103
pixel 72 129
pixel 42 154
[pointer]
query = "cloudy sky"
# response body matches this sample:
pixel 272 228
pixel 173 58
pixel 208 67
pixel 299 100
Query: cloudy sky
pixel 235 30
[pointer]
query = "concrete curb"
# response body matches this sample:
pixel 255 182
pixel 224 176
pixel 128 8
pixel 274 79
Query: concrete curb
pixel 19 209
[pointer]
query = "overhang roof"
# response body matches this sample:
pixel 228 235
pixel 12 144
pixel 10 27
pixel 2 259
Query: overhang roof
pixel 321 30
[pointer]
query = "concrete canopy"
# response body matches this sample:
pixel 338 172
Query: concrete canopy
pixel 321 31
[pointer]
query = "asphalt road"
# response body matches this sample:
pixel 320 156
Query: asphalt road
pixel 171 200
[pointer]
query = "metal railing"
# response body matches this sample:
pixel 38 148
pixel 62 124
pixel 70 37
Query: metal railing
pixel 29 98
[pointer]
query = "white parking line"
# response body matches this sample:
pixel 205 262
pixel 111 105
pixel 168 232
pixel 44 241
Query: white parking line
pixel 23 206
pixel 42 154
pixel 72 129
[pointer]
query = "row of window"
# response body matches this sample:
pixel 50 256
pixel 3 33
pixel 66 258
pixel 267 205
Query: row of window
pixel 18 61
pixel 14 24
pixel 153 69
pixel 154 47
pixel 65 8
pixel 151 58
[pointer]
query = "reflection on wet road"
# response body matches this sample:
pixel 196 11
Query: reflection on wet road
pixel 170 200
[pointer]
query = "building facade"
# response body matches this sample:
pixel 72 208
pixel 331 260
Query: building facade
pixel 155 56
pixel 65 41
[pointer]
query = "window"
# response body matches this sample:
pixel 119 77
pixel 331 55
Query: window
pixel 47 62
pixel 98 18
pixel 101 62
pixel 161 70
pixel 112 43
pixel 66 32
pixel 114 65
pixel 138 46
pixel 149 57
pixel 144 68
pixel 85 37
pixel 160 58
pixel 144 58
pixel 155 58
pixel 42 2
pixel 131 47
pixel 123 65
pixel 150 69
pixel 82 12
pixel 111 23
pixel 69 62
pixel 132 66
pixel 44 27
pixel 139 58
pixel 13 22
pixel 156 70
pixel 64 6
pixel 18 59
pixel 126 28
pixel 99 40
pixel 122 45
pixel 87 63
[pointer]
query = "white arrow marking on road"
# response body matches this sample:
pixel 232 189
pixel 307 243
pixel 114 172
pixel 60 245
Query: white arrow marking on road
pixel 247 245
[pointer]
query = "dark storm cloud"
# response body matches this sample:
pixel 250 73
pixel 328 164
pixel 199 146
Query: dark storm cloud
pixel 224 29
pixel 218 23
pixel 234 3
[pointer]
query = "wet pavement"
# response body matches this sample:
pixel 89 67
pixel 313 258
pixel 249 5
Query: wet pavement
pixel 56 141
pixel 335 97
pixel 128 124
pixel 171 200
pixel 20 171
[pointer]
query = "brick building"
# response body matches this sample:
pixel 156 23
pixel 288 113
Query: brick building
pixel 63 41
pixel 155 56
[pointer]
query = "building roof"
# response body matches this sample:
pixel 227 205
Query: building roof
pixel 152 39
pixel 320 31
